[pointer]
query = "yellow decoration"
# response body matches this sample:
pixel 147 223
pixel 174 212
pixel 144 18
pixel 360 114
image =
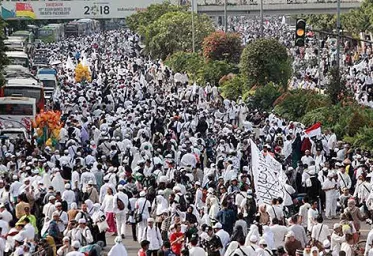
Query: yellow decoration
pixel 48 142
pixel 82 73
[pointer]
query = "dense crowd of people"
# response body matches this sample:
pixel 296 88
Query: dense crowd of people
pixel 312 63
pixel 144 156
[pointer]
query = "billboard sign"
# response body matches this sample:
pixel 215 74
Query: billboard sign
pixel 39 10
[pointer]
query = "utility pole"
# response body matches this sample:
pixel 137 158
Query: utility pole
pixel 193 29
pixel 225 17
pixel 261 19
pixel 338 33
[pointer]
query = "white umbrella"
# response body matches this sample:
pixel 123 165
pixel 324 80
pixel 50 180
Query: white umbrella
pixel 178 77
pixel 55 62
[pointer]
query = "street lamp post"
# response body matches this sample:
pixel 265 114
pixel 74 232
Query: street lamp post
pixel 261 19
pixel 338 32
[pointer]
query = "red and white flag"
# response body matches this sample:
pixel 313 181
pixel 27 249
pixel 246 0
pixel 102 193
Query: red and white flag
pixel 314 130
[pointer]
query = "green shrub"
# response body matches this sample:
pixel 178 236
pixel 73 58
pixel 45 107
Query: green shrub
pixel 295 104
pixel 233 88
pixel 264 97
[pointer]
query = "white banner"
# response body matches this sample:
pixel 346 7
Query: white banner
pixel 268 176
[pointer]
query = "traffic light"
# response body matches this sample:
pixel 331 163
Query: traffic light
pixel 300 32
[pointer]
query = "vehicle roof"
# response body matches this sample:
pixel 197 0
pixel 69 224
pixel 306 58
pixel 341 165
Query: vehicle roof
pixel 46 77
pixel 16 68
pixel 47 71
pixel 29 82
pixel 17 100
pixel 21 32
pixel 16 54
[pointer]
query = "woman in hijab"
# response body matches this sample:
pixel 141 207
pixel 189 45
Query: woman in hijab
pixel 118 248
pixel 268 236
pixel 254 231
pixel 214 209
pixel 107 207
pixel 237 234
pixel 99 227
pixel 231 248
pixel 58 182
pixel 263 215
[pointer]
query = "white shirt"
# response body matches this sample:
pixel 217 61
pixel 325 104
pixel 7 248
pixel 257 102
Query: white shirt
pixel 312 215
pixel 303 212
pixel 320 232
pixel 140 206
pixel 197 251
pixel 288 191
pixel 153 235
pixel 75 254
pixel 107 204
pixel 78 232
pixel 48 210
pixel 279 233
pixel 68 196
pixel 344 180
pixel 347 248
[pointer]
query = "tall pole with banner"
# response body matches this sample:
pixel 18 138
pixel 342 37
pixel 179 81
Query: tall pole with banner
pixel 225 16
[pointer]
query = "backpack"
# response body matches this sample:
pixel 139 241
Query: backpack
pixel 120 204
pixel 183 203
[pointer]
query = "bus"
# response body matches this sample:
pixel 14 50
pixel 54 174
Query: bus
pixel 16 115
pixel 48 77
pixel 52 33
pixel 18 58
pixel 15 43
pixel 27 35
pixel 74 29
pixel 24 87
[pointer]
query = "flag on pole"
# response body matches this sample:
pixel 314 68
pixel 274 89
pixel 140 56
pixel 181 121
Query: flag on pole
pixel 268 176
pixel 314 130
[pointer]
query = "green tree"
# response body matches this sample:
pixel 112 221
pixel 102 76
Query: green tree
pixel 3 58
pixel 173 32
pixel 144 18
pixel 264 61
pixel 325 22
pixel 222 46
pixel 336 89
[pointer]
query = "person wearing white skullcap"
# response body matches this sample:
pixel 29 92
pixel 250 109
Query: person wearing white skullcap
pixel 120 208
pixel 68 195
pixel 76 246
pixel 118 248
pixel 223 235
pixel 82 233
pixel 143 207
pixel 152 234
pixel 329 187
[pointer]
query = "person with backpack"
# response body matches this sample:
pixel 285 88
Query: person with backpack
pixel 153 235
pixel 180 198
pixel 121 207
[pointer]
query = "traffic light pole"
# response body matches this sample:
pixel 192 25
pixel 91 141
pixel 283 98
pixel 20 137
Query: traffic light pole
pixel 338 33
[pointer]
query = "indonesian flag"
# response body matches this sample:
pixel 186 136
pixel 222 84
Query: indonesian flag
pixel 314 130
pixel 25 10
